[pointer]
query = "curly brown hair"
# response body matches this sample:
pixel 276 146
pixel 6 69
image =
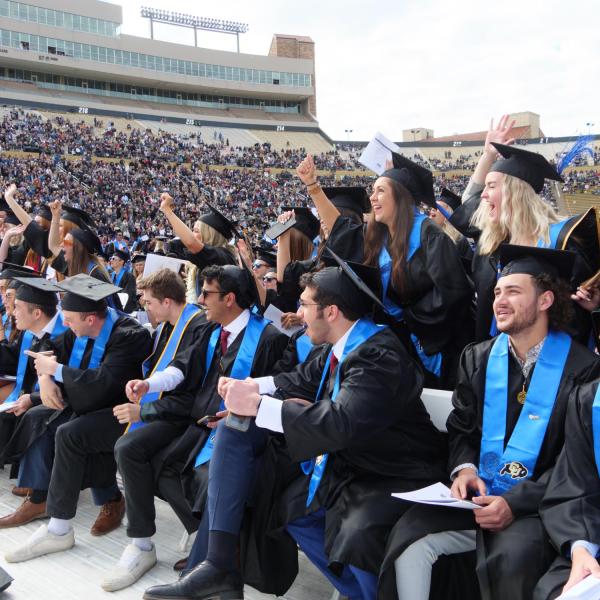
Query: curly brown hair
pixel 561 313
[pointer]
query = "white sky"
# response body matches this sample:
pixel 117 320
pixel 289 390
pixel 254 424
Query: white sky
pixel 398 64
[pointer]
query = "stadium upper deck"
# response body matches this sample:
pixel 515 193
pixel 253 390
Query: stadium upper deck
pixel 72 52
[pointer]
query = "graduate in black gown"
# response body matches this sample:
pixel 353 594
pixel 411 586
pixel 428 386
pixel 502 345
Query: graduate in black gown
pixel 124 279
pixel 37 319
pixel 426 289
pixel 207 244
pixel 512 394
pixel 357 426
pixel 93 362
pixel 155 419
pixel 570 509
pixel 502 205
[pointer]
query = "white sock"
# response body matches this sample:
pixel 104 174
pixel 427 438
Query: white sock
pixel 59 526
pixel 144 544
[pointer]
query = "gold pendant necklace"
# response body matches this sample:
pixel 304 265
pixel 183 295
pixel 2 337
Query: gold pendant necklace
pixel 522 395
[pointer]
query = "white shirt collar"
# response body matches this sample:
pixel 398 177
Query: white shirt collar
pixel 338 347
pixel 49 327
pixel 237 325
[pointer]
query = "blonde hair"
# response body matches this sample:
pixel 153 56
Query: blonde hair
pixel 451 231
pixel 211 237
pixel 524 217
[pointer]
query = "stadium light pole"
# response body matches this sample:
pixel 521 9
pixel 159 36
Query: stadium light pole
pixel 193 22
pixel 348 132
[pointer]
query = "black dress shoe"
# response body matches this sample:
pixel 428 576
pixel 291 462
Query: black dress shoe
pixel 180 564
pixel 205 582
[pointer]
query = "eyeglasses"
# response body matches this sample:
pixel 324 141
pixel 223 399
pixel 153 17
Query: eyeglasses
pixel 208 292
pixel 305 304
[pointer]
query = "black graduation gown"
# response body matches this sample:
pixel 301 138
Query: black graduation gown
pixel 128 286
pixel 289 290
pixel 485 267
pixel 570 509
pixel 210 255
pixel 464 431
pixel 437 300
pixel 207 401
pixel 89 390
pixel 9 359
pixel 379 438
pixel 176 405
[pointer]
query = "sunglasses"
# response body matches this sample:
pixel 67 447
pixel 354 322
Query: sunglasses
pixel 257 264
pixel 269 279
pixel 67 243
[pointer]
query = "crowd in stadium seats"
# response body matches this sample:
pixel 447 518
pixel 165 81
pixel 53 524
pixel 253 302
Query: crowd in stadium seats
pixel 395 299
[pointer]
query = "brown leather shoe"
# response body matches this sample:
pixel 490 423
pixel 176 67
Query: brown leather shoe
pixel 27 512
pixel 110 517
pixel 22 492
pixel 180 564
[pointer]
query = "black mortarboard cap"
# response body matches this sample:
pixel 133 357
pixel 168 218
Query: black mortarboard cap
pixel 37 290
pixel 77 216
pixel 43 211
pixel 533 261
pixel 85 293
pixel 530 167
pixel 350 197
pixel 89 240
pixel 584 230
pixel 359 284
pixel 416 179
pixel 267 255
pixel 11 219
pixel 305 221
pixel 11 270
pixel 122 254
pixel 138 258
pixel 217 220
pixel 450 198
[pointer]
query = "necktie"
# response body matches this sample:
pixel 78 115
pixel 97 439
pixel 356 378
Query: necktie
pixel 333 363
pixel 223 339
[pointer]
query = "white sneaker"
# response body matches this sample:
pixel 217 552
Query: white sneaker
pixel 40 543
pixel 133 564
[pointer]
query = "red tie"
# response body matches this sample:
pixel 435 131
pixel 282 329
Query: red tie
pixel 333 363
pixel 223 340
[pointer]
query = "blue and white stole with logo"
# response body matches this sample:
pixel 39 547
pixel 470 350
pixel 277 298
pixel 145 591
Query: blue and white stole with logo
pixel 362 331
pixel 596 427
pixel 26 341
pixel 188 312
pixel 502 468
pixel 241 368
pixel 431 363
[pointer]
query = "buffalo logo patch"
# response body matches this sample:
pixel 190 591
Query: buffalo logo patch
pixel 515 469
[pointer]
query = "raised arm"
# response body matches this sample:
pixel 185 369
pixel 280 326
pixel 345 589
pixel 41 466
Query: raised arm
pixel 307 172
pixel 5 245
pixel 20 212
pixel 179 227
pixel 54 240
pixel 501 134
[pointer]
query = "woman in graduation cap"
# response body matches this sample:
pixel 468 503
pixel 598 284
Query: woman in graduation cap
pixel 425 289
pixel 207 244
pixel 502 205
